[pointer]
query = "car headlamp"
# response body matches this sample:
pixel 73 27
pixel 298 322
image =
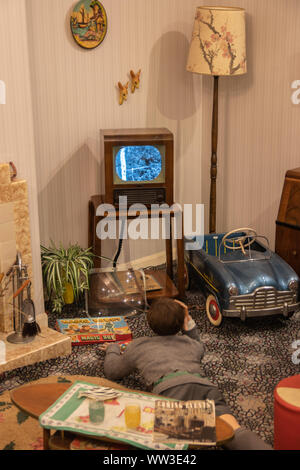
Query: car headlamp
pixel 233 290
pixel 293 285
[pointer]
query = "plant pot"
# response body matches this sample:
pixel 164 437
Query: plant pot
pixel 68 294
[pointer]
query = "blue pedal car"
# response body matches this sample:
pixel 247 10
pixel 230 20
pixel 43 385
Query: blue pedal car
pixel 242 277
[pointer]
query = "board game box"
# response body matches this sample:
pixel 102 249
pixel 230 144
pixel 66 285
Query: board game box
pixel 95 330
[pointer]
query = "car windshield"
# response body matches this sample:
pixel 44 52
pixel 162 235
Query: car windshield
pixel 254 248
pixel 251 248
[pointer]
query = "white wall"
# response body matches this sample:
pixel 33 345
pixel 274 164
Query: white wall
pixel 75 95
pixel 16 120
pixel 259 138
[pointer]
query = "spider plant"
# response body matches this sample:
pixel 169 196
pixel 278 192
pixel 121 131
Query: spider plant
pixel 65 270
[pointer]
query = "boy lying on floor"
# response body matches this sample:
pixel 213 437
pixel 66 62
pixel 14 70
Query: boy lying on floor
pixel 170 365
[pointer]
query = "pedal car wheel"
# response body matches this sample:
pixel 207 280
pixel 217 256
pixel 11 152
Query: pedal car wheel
pixel 213 311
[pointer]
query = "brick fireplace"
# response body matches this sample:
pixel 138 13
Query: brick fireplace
pixel 15 237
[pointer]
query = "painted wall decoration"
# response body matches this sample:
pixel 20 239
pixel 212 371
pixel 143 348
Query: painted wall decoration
pixel 135 80
pixel 123 90
pixel 89 23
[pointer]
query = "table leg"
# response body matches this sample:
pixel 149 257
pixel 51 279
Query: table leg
pixel 93 240
pixel 46 437
pixel 97 244
pixel 169 253
pixel 91 228
pixel 180 265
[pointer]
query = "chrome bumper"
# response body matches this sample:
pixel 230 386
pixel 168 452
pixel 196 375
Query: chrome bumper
pixel 263 301
pixel 245 312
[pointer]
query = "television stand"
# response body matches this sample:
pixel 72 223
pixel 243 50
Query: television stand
pixel 164 277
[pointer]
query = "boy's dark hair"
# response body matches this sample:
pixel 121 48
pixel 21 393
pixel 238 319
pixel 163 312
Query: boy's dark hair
pixel 165 317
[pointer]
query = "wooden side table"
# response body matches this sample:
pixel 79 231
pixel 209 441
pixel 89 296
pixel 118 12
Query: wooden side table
pixel 35 399
pixel 166 279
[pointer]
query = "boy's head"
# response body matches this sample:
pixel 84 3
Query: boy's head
pixel 166 317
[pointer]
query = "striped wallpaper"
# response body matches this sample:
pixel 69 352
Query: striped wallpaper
pixel 62 95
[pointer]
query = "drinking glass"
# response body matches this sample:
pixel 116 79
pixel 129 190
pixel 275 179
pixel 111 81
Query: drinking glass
pixel 132 415
pixel 96 411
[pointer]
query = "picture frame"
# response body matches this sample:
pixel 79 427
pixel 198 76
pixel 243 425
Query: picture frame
pixel 88 23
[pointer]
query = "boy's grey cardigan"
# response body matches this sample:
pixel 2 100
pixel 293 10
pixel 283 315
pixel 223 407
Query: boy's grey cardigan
pixel 158 356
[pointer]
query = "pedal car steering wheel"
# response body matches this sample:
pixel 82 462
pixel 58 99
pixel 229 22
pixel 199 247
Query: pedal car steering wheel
pixel 239 241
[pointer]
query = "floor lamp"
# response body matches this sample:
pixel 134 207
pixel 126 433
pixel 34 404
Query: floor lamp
pixel 218 48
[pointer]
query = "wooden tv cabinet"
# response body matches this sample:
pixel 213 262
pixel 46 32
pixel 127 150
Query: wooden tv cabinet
pixel 165 278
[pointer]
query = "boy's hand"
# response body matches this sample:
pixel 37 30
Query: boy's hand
pixel 104 346
pixel 186 322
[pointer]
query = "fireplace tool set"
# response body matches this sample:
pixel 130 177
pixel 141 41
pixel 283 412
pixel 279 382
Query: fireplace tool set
pixel 24 317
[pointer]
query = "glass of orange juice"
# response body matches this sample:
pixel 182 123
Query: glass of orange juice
pixel 132 415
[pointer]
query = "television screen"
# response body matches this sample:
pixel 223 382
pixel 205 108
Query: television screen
pixel 139 164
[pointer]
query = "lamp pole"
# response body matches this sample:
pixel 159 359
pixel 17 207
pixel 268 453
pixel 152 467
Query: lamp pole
pixel 218 48
pixel 214 160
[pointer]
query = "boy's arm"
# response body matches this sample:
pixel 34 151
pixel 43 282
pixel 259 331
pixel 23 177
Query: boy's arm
pixel 189 326
pixel 117 365
pixel 190 329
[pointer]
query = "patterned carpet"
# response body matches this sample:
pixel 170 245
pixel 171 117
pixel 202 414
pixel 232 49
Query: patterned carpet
pixel 246 361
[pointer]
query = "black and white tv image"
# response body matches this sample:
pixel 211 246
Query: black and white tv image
pixel 139 164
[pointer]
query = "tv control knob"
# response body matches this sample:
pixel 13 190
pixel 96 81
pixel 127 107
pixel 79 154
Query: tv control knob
pixel 160 198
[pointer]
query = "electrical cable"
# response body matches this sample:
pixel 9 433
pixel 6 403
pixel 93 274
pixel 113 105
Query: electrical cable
pixel 118 252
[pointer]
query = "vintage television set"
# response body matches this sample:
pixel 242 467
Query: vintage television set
pixel 138 165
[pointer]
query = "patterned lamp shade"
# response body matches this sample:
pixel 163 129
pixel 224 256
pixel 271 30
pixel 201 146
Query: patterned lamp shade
pixel 218 45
